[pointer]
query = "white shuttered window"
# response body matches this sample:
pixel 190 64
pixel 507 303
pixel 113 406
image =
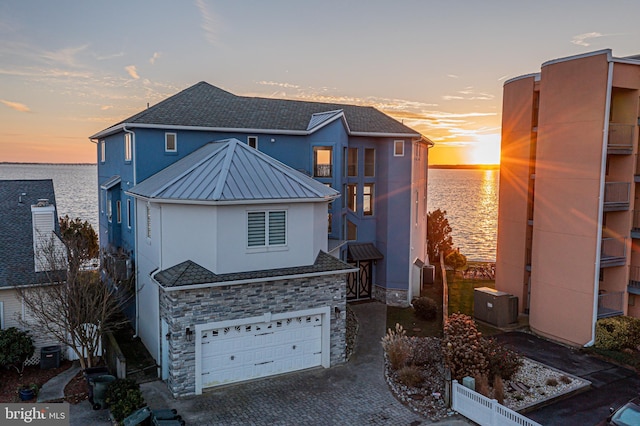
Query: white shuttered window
pixel 266 228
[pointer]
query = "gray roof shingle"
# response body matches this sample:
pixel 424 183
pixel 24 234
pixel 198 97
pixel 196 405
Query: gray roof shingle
pixel 189 273
pixel 17 263
pixel 230 170
pixel 204 105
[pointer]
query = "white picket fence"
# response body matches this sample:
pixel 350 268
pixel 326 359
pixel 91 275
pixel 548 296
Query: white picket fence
pixel 485 411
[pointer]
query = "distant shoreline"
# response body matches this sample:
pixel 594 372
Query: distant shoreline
pixel 466 166
pixel 45 164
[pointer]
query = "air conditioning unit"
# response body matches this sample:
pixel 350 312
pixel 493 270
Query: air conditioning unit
pixel 495 307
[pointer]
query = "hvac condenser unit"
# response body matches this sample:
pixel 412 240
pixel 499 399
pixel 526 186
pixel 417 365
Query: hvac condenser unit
pixel 495 307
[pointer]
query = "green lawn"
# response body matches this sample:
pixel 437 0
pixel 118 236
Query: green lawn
pixel 460 300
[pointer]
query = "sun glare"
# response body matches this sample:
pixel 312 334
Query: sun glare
pixel 486 150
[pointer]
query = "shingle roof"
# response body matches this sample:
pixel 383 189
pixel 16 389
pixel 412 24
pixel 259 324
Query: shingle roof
pixel 17 263
pixel 189 273
pixel 227 171
pixel 207 106
pixel 363 251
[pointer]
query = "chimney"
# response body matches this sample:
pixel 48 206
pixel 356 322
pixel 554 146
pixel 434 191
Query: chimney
pixel 43 216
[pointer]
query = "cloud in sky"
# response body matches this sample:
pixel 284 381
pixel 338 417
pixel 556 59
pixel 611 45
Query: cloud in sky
pixel 131 70
pixel 156 55
pixel 66 56
pixel 582 39
pixel 16 105
pixel 209 22
pixel 278 84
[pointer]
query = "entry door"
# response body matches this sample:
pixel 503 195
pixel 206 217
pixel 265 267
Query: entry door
pixel 359 283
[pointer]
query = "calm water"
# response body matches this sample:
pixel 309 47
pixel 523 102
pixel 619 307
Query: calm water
pixel 75 186
pixel 470 198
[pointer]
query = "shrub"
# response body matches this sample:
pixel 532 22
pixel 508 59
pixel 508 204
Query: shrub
pixel 397 346
pixel 617 333
pixel 565 379
pixel 498 389
pixel 410 375
pixel 502 361
pixel 16 347
pixel 482 385
pixel 425 351
pixel 462 347
pixel 425 308
pixel 123 397
pixel 552 382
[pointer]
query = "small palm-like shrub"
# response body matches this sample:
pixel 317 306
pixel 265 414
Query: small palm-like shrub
pixel 425 308
pixel 397 346
pixel 498 389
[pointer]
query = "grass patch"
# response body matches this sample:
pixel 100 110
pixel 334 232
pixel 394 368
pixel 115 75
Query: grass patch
pixel 461 293
pixel 413 325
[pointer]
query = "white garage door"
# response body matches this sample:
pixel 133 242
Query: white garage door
pixel 243 352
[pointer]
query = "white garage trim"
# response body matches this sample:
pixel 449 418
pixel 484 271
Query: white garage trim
pixel 266 318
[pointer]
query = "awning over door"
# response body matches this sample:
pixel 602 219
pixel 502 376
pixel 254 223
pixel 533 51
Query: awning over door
pixel 110 183
pixel 363 251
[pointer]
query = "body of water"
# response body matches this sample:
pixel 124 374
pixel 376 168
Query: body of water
pixel 470 198
pixel 76 186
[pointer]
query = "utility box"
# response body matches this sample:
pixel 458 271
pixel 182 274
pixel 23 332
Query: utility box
pixel 495 307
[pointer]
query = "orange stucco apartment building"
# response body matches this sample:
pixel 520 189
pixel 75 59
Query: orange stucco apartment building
pixel 569 211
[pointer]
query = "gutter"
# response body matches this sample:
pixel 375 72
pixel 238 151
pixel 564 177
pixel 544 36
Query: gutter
pixel 603 168
pixel 123 126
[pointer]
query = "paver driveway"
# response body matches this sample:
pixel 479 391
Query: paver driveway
pixel 352 394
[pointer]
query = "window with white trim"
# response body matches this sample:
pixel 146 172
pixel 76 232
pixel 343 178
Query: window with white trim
pixel 322 161
pixel 252 141
pixel 103 151
pixel 127 147
pixel 109 209
pixel 352 197
pixel 103 199
pixel 398 148
pixel 267 228
pixel 171 142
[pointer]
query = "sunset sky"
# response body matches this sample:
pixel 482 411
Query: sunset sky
pixel 71 68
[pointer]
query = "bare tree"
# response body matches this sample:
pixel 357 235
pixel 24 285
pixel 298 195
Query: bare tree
pixel 75 307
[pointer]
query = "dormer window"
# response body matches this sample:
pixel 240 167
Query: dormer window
pixel 171 142
pixel 322 161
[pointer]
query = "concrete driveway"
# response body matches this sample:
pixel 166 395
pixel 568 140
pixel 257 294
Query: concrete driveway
pixel 611 385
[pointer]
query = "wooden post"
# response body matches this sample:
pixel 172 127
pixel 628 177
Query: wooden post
pixel 445 290
pixel 447 387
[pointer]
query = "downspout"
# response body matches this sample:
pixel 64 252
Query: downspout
pixel 603 169
pixel 135 263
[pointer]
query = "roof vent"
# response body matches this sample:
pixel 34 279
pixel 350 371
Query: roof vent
pixel 20 197
pixel 42 202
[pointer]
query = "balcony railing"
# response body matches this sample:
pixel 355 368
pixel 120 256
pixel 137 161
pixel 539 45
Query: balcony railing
pixel 613 252
pixel 322 170
pixel 634 280
pixel 620 138
pixel 616 196
pixel 610 304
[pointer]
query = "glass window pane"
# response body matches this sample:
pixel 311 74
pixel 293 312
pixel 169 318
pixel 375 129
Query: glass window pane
pixel 369 162
pixel 352 164
pixel 277 228
pixel 322 161
pixel 352 197
pixel 256 229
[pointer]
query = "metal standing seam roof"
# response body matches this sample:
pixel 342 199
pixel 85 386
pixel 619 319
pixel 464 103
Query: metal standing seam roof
pixel 227 171
pixel 17 264
pixel 206 106
pixel 189 273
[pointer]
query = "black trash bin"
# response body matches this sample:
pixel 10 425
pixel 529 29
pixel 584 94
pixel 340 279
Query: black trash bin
pixel 100 385
pixel 90 374
pixel 49 357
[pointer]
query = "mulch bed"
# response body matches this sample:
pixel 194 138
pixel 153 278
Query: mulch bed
pixel 11 381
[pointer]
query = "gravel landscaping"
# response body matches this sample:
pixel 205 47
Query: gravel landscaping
pixel 541 381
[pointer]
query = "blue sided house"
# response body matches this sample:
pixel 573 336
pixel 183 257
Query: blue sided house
pixel 378 166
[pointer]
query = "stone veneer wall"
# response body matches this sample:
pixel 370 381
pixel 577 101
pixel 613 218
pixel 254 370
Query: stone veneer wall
pixel 182 309
pixel 391 296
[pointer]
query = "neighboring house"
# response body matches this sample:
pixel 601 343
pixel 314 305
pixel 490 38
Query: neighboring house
pixel 234 280
pixel 569 222
pixel 377 163
pixel 29 219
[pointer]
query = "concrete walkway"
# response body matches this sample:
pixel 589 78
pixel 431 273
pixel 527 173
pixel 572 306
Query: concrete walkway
pixel 54 388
